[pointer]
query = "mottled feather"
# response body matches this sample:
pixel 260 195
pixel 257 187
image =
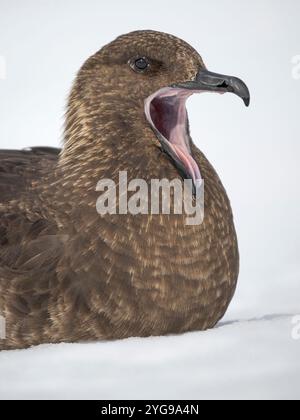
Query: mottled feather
pixel 68 274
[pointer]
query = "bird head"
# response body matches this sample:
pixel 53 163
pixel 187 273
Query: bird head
pixel 151 73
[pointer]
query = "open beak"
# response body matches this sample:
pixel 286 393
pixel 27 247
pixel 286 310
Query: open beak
pixel 207 81
pixel 166 112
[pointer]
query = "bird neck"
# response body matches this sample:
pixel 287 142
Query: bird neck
pixel 101 140
pixel 106 136
pixel 103 137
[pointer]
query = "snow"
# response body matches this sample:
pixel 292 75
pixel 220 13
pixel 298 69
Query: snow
pixel 253 353
pixel 243 359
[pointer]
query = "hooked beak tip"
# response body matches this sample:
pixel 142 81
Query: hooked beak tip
pixel 247 101
pixel 207 81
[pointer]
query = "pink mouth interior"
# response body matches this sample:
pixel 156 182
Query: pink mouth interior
pixel 166 112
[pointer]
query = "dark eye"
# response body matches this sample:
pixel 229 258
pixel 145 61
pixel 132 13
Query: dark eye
pixel 140 64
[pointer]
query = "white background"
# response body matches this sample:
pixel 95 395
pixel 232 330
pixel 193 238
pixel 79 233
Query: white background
pixel 255 151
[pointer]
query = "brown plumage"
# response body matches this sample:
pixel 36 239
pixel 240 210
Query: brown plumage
pixel 68 274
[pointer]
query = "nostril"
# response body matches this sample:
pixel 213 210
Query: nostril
pixel 224 84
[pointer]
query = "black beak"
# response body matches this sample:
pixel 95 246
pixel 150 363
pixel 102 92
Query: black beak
pixel 213 82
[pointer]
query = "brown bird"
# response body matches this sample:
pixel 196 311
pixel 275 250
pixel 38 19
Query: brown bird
pixel 68 274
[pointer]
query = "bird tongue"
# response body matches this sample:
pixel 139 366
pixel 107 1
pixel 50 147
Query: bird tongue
pixel 166 112
pixel 188 161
